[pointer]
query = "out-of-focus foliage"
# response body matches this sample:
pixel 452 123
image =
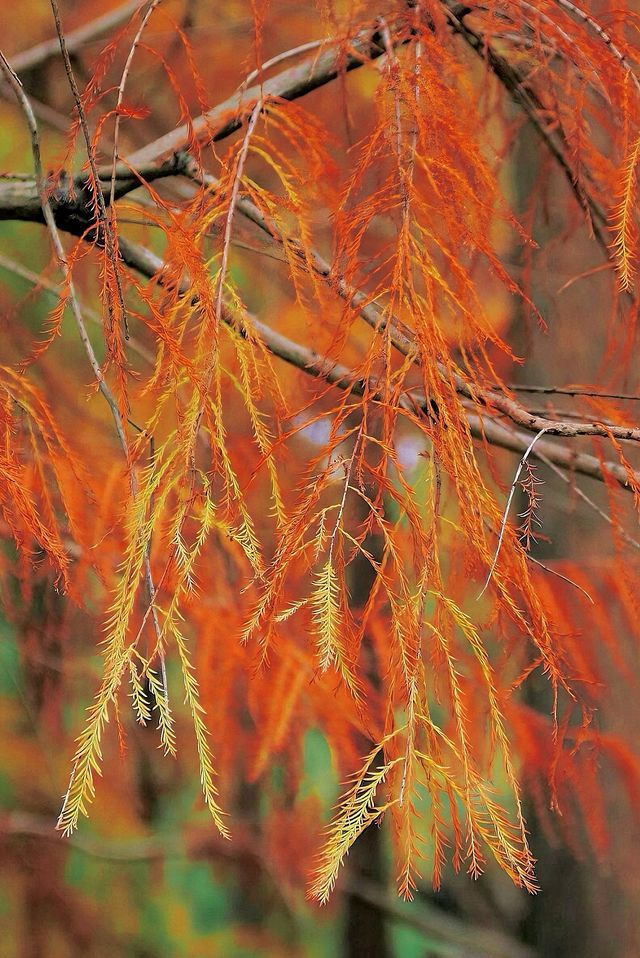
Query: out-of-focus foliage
pixel 257 466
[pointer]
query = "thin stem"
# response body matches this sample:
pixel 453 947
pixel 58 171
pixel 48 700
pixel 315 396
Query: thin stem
pixel 109 237
pixel 507 507
pixel 121 87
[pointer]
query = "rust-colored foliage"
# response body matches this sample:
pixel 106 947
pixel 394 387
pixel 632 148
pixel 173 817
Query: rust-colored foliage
pixel 283 497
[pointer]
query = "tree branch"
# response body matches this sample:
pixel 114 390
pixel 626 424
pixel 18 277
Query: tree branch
pixel 315 71
pixel 320 367
pixel 49 49
pixel 166 156
pixel 70 199
pixel 402 340
pixel 462 939
pixel 517 85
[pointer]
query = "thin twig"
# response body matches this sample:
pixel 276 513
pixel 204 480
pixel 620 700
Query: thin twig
pixel 242 157
pixel 506 508
pixel 48 49
pixel 109 237
pixel 280 58
pixel 571 391
pixel 121 87
pixel 559 575
pixel 606 38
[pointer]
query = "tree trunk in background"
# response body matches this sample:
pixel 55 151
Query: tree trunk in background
pixel 366 933
pixel 565 918
pixel 365 927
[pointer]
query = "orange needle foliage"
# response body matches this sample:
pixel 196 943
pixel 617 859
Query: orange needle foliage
pixel 283 423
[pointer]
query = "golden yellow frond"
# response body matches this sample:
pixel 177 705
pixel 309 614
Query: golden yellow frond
pixel 328 617
pixel 205 757
pixel 88 757
pixel 356 810
pixel 625 242
pixel 165 718
pixel 141 705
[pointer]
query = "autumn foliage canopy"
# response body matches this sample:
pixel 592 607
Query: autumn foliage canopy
pixel 264 436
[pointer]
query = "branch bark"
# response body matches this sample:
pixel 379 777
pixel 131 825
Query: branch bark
pixel 70 199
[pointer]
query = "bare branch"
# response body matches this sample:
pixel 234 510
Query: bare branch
pixel 70 199
pixel 35 56
pixel 505 515
pixel 123 82
pixel 573 391
pixel 425 918
pixel 606 38
pixel 462 940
